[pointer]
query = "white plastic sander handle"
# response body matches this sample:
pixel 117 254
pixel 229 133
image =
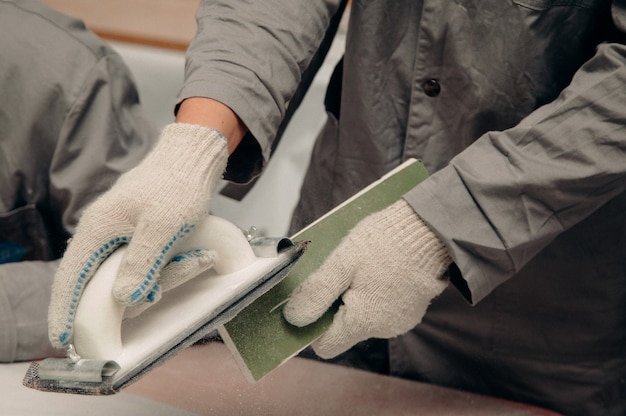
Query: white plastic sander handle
pixel 98 319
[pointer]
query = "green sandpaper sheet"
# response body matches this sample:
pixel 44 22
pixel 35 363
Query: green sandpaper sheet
pixel 259 337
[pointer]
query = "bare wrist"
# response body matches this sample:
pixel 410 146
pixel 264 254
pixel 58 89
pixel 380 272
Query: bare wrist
pixel 211 113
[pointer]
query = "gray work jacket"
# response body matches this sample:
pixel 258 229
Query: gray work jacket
pixel 518 110
pixel 70 123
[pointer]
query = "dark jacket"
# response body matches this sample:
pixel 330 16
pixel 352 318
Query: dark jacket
pixel 517 108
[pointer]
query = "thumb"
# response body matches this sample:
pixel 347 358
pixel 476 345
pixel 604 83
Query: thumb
pixel 319 291
pixel 143 262
pixel 185 267
pixel 179 270
pixel 347 329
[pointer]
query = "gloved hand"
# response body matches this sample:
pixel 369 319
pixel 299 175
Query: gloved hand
pixel 179 270
pixel 386 270
pixel 150 208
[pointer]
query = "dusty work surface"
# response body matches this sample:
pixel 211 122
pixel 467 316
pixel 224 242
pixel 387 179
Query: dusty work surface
pixel 17 400
pixel 204 380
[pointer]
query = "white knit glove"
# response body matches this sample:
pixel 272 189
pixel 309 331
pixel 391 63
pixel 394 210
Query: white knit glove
pixel 179 270
pixel 386 270
pixel 150 208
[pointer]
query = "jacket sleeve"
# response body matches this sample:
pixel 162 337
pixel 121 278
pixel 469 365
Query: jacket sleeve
pixel 104 134
pixel 511 193
pixel 24 297
pixel 250 56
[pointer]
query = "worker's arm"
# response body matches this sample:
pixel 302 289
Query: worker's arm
pixel 211 113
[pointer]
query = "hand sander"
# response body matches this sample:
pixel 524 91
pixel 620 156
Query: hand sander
pixel 111 351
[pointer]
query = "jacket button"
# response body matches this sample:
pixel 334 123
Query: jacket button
pixel 431 87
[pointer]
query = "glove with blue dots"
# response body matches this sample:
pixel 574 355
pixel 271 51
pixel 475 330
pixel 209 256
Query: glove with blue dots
pixel 151 208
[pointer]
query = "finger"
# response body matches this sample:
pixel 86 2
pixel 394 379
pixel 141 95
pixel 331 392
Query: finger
pixel 144 260
pixel 96 237
pixel 178 271
pixel 81 260
pixel 134 311
pixel 348 328
pixel 319 291
pixel 185 267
